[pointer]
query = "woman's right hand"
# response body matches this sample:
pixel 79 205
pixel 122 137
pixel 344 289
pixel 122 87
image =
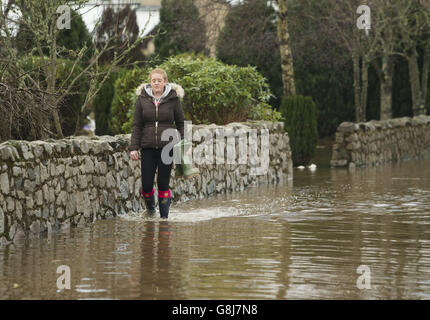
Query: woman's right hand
pixel 134 155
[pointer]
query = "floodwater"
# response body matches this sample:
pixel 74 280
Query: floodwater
pixel 302 240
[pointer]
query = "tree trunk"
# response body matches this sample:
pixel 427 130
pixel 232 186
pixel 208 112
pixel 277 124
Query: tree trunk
pixel 78 124
pixel 364 86
pixel 285 50
pixel 357 84
pixel 418 102
pixel 426 4
pixel 425 73
pixel 52 79
pixel 360 85
pixel 386 101
pixel 386 85
pixel 214 14
pixel 43 121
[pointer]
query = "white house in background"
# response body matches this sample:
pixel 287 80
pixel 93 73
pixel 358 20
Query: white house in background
pixel 147 12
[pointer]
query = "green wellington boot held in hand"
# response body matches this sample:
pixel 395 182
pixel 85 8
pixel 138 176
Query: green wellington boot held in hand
pixel 178 171
pixel 185 168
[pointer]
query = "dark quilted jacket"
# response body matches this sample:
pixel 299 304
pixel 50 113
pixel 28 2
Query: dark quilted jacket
pixel 146 133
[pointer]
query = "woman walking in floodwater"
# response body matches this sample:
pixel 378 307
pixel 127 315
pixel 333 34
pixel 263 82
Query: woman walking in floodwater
pixel 158 105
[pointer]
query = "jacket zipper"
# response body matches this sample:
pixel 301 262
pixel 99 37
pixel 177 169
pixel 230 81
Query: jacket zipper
pixel 156 126
pixel 156 123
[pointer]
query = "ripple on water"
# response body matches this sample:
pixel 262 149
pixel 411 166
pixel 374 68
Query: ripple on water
pixel 275 242
pixel 198 214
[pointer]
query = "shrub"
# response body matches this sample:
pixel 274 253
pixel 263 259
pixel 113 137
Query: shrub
pixel 128 125
pixel 181 29
pixel 102 103
pixel 249 37
pixel 122 21
pixel 214 92
pixel 220 93
pixel 123 99
pixel 70 107
pixel 300 117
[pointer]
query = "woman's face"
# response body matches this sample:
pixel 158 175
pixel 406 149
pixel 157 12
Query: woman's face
pixel 157 83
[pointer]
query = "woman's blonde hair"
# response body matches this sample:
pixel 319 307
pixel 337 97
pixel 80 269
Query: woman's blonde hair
pixel 159 71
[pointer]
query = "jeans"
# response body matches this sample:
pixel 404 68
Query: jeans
pixel 150 160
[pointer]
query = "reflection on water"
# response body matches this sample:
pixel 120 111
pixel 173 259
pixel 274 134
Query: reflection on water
pixel 305 239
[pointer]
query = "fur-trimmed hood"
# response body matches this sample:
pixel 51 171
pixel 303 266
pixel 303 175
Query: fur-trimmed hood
pixel 169 86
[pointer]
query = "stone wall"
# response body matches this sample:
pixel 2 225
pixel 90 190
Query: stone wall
pixel 48 185
pixel 377 142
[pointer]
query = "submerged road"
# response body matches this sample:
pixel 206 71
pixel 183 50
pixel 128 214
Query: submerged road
pixel 309 239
